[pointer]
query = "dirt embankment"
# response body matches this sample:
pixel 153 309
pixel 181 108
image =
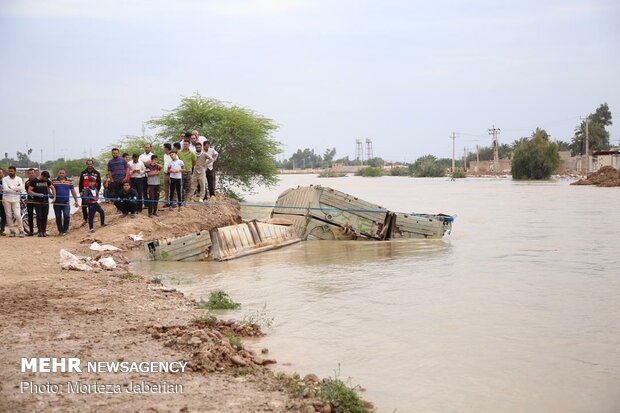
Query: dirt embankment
pixel 606 176
pixel 116 316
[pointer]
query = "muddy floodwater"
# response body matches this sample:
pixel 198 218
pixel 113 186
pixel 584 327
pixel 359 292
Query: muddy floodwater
pixel 518 310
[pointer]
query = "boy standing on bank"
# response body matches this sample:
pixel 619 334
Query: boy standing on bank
pixel 91 195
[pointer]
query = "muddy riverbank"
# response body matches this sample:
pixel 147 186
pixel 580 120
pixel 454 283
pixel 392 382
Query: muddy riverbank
pixel 116 316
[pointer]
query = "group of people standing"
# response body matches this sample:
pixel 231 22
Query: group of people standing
pixel 40 191
pixel 187 173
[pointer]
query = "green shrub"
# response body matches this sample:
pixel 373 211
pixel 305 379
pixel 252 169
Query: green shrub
pixel 218 300
pixel 331 173
pixel 459 173
pixel 207 319
pixel 427 166
pixel 370 171
pixel 235 341
pixel 343 399
pixel 400 171
pixel 535 158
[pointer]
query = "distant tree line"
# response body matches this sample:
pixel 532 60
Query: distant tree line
pixel 73 167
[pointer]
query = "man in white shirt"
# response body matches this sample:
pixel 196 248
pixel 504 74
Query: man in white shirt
pixel 137 172
pixel 176 167
pixel 166 183
pixel 145 158
pixel 199 176
pixel 12 188
pixel 199 137
pixel 210 172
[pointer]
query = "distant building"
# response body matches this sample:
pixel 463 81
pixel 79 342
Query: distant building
pixel 609 157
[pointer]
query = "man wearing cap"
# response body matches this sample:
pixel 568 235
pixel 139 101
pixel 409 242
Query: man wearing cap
pixel 41 191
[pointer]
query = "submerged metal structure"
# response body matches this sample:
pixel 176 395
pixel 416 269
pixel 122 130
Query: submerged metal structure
pixel 318 212
pixel 223 244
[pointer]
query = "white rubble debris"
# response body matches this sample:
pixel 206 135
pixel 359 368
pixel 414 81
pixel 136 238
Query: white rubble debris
pixel 107 263
pixel 69 261
pixel 95 246
pixel 137 237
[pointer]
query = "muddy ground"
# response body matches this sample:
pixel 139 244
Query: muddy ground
pixel 607 176
pixel 115 316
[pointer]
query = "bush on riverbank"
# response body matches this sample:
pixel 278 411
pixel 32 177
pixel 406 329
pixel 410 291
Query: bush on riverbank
pixel 459 174
pixel 400 171
pixel 219 300
pixel 331 173
pixel 370 172
pixel 342 398
pixel 427 166
pixel 535 158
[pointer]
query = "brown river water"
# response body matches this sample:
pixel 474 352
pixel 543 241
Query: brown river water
pixel 518 310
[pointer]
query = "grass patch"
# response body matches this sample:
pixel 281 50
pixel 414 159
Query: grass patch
pixel 400 171
pixel 235 341
pixel 129 276
pixel 259 317
pixel 331 173
pixel 218 300
pixel 370 172
pixel 458 173
pixel 205 320
pixel 294 386
pixel 342 397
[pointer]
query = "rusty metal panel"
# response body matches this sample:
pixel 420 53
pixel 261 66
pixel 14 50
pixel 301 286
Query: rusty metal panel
pixel 298 223
pixel 420 226
pixel 295 201
pixel 248 238
pixel 321 230
pixel 342 216
pixel 187 248
pixel 332 201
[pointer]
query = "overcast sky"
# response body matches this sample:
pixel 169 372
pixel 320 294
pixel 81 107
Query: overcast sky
pixel 75 75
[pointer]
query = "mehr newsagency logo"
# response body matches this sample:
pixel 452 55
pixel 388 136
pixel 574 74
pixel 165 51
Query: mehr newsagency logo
pixel 54 365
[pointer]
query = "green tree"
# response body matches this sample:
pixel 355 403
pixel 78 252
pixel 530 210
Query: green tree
pixel 598 136
pixel 328 157
pixel 73 167
pixel 427 166
pixel 242 137
pixel 535 158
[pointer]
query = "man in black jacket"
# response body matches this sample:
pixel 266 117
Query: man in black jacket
pixel 32 177
pixel 127 201
pixel 84 183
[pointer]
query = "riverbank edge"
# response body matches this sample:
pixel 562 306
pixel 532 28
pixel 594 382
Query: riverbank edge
pixel 177 331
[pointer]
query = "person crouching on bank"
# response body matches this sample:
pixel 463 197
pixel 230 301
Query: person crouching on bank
pixel 127 201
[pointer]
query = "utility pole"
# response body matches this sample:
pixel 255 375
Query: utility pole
pixel 477 158
pixel 464 159
pixel 453 137
pixel 587 146
pixel 494 132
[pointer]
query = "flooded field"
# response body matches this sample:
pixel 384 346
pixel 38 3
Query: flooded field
pixel 516 310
